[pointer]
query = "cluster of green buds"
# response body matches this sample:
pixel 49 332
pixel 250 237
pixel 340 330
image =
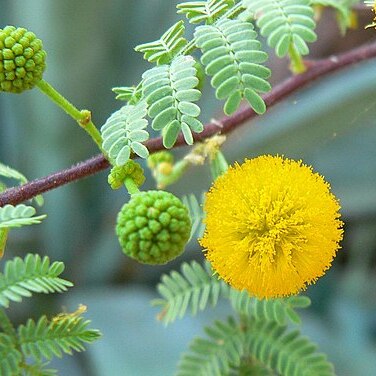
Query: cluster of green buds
pixel 22 59
pixel 154 226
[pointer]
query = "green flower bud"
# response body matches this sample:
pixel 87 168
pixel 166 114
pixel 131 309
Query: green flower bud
pixel 153 227
pixel 131 170
pixel 22 59
pixel 160 157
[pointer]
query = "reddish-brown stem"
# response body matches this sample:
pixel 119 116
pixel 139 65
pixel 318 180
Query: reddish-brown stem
pixel 317 69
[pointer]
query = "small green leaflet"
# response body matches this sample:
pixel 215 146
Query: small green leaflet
pixel 204 11
pixel 18 216
pixel 163 50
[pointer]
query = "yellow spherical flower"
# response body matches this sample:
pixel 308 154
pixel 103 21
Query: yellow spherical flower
pixel 272 226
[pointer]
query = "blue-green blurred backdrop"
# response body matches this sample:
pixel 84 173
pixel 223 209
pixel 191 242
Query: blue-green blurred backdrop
pixel 331 125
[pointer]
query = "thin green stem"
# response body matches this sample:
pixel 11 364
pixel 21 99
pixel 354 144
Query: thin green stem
pixel 218 166
pixel 131 186
pixel 83 117
pixel 177 172
pixel 7 326
pixel 62 102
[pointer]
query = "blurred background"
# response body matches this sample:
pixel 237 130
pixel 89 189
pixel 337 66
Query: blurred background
pixel 330 125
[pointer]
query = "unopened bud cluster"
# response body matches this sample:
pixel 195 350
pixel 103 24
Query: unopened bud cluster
pixel 22 59
pixel 153 227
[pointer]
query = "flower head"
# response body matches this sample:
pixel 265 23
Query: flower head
pixel 22 59
pixel 153 227
pixel 272 226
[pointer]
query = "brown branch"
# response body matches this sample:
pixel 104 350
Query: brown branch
pixel 316 70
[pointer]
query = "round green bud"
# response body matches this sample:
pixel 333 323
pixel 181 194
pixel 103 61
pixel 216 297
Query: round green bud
pixel 22 59
pixel 153 227
pixel 131 170
pixel 160 157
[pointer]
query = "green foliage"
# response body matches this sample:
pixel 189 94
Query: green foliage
pixel 47 339
pixel 343 8
pixel 170 92
pixel 259 340
pixel 124 132
pixel 196 213
pixel 39 369
pixel 204 11
pixel 277 348
pixel 213 356
pixel 11 173
pixel 10 356
pixel 17 216
pixel 167 47
pixel 278 310
pixel 194 287
pixel 250 366
pixel 44 339
pixel 287 24
pixel 285 351
pixel 232 55
pixel 130 94
pixel 33 274
pixel 336 4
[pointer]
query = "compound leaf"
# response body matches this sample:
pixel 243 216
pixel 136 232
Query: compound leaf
pixel 277 310
pixel 232 55
pixel 286 352
pixel 46 339
pixel 22 277
pixel 286 24
pixel 194 287
pixel 217 354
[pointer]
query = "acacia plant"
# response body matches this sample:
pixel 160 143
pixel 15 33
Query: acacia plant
pixel 269 226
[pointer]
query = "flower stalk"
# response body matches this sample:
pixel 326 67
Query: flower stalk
pixel 131 186
pixel 83 118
